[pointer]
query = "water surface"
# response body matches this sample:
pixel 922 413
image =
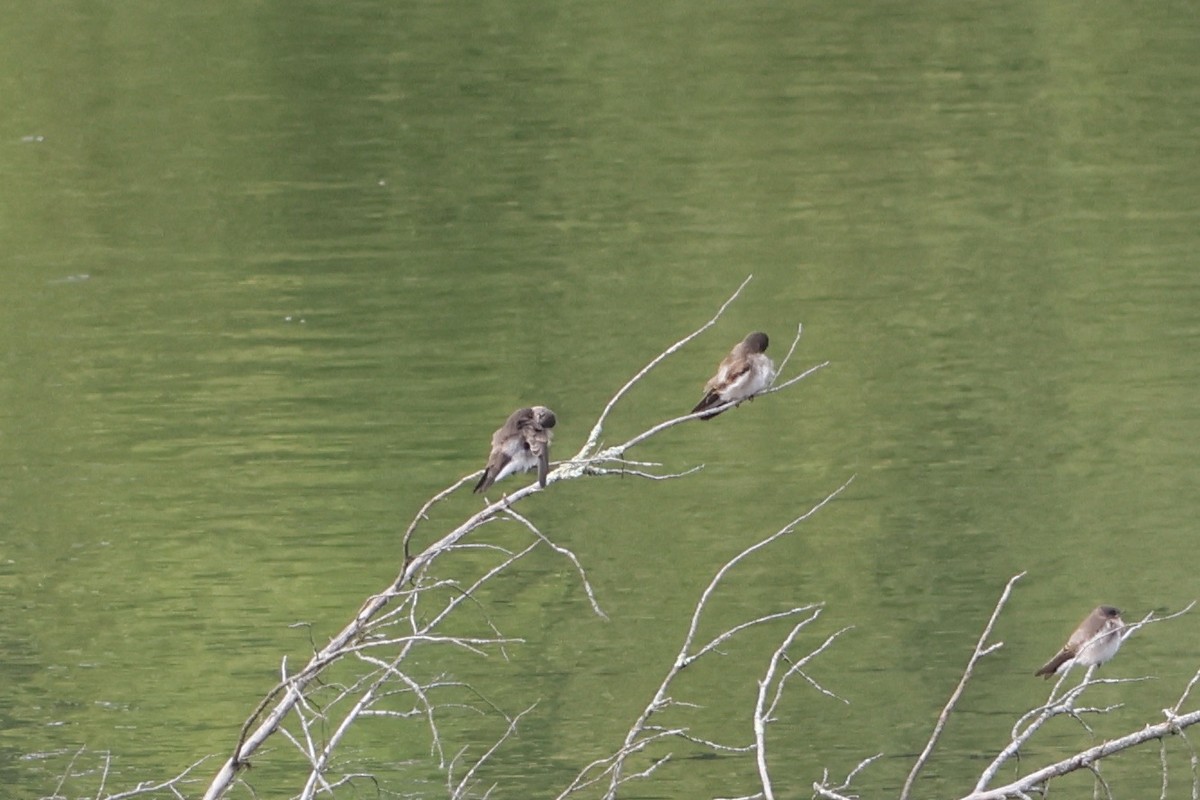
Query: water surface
pixel 273 277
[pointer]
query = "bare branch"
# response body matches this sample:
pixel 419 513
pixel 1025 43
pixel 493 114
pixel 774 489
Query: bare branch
pixel 637 473
pixel 458 792
pixel 980 651
pixel 779 387
pixel 430 503
pixel 149 787
pixel 66 774
pixel 562 551
pixel 760 713
pixel 615 451
pixel 598 427
pixel 797 668
pixel 1103 784
pixel 1187 690
pixel 729 565
pixel 582 780
pixel 1067 704
pixel 736 629
pixel 681 733
pixel 795 341
pixel 104 773
pixel 405 602
pixel 1162 757
pixel 1034 780
pixel 823 789
pixel 641 732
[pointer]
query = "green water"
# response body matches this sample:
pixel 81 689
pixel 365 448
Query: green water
pixel 273 274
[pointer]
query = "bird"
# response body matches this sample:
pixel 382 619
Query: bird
pixel 743 373
pixel 521 443
pixel 1095 641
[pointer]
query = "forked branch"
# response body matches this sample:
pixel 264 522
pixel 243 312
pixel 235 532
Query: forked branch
pixel 398 603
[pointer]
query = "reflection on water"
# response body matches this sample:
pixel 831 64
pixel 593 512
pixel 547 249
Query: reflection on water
pixel 273 278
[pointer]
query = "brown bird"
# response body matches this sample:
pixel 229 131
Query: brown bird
pixel 1095 641
pixel 521 443
pixel 743 373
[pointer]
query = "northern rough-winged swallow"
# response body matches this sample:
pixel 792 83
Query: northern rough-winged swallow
pixel 1095 641
pixel 743 373
pixel 522 443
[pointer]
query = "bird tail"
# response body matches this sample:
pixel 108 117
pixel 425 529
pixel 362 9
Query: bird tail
pixel 711 399
pixel 485 482
pixel 1052 665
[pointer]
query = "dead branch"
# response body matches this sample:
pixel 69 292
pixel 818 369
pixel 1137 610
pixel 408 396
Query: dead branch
pixel 1033 782
pixel 598 428
pixel 642 733
pixel 1059 704
pixel 764 712
pixel 143 789
pixel 822 788
pixel 583 578
pixel 459 791
pixel 411 590
pixel 391 625
pixel 944 717
pixel 1066 704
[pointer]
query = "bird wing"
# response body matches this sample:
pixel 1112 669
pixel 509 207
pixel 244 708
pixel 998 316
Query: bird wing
pixel 505 445
pixel 496 462
pixel 732 367
pixel 1051 666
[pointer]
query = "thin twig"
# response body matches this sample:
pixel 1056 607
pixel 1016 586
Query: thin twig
pixel 1186 691
pixel 66 774
pixel 685 657
pixel 761 717
pixel 823 789
pixel 562 551
pixel 423 514
pixel 598 427
pixel 149 788
pixel 797 668
pixel 980 651
pixel 463 785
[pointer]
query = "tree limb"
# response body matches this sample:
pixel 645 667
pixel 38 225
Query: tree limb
pixel 944 717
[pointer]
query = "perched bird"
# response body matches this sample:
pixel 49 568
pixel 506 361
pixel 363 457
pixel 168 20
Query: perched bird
pixel 1095 641
pixel 743 373
pixel 522 443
